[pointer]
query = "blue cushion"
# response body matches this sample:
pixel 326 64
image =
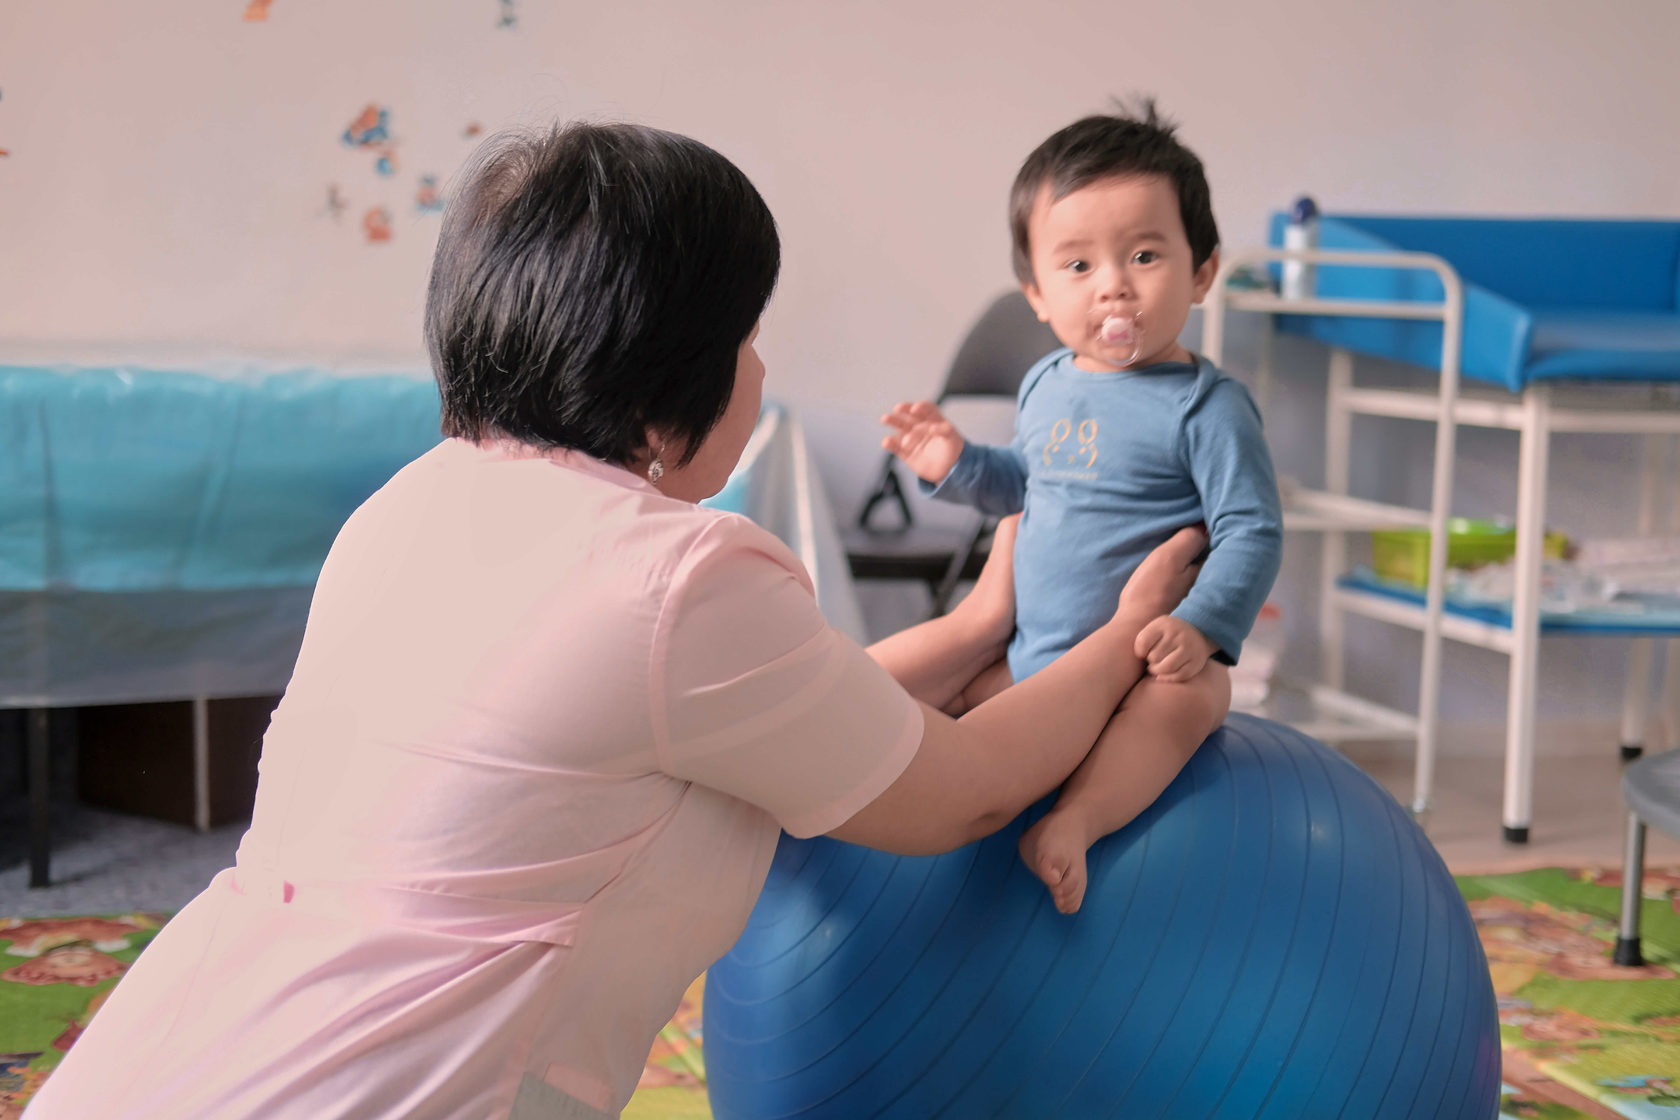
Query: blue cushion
pixel 1636 345
pixel 1543 298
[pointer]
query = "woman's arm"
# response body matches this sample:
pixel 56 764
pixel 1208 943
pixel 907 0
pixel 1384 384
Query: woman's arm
pixel 937 659
pixel 972 776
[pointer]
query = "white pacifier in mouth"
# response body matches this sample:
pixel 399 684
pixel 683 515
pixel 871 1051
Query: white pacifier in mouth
pixel 1122 331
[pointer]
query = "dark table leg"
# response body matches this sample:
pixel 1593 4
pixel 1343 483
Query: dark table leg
pixel 40 793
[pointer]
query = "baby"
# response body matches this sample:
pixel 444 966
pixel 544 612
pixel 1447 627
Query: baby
pixel 1120 439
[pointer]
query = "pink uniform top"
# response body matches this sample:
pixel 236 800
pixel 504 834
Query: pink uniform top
pixel 524 786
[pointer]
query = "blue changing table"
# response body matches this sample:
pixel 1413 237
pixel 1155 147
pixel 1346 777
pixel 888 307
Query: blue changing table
pixel 1533 325
pixel 1545 300
pixel 162 525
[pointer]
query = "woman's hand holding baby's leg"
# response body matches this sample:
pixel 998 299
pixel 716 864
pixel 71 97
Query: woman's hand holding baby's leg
pixel 988 684
pixel 1166 575
pixel 1157 729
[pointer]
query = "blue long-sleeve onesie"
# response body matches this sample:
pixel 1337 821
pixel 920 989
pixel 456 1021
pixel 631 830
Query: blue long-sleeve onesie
pixel 1105 467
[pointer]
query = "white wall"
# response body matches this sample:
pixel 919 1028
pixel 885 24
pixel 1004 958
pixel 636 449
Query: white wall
pixel 169 163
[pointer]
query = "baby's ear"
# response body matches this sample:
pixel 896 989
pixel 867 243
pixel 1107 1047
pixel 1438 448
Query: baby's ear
pixel 1205 276
pixel 1035 299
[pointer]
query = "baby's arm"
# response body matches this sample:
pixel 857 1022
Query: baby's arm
pixel 923 439
pixel 1232 471
pixel 992 479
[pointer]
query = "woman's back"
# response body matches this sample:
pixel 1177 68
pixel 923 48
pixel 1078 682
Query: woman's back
pixel 461 772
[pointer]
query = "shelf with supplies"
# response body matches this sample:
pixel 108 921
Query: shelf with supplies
pixel 1325 708
pixel 1633 398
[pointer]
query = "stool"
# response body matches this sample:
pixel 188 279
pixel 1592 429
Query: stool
pixel 1651 788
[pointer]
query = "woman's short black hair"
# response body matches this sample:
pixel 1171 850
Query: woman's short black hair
pixel 591 281
pixel 1138 142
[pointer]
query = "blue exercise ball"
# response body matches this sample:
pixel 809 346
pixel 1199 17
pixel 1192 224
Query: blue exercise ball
pixel 1275 937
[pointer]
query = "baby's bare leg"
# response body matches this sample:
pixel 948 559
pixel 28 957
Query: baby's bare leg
pixel 1147 742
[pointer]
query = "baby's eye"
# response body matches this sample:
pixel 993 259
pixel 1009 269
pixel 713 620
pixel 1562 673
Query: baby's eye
pixel 1146 256
pixel 1077 266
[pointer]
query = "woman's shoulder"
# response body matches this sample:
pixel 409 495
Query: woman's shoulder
pixel 712 539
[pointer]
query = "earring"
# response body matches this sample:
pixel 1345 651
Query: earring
pixel 656 469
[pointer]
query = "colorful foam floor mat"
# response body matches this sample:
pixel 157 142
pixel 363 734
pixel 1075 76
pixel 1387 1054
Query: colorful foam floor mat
pixel 1582 1038
pixel 1602 1038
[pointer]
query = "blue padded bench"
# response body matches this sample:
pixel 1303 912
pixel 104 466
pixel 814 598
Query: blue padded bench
pixel 1544 299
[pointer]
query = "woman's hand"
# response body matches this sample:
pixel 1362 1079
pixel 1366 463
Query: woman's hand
pixel 991 602
pixel 1166 575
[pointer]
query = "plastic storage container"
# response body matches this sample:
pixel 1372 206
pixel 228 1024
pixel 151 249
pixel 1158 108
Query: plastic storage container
pixel 1403 554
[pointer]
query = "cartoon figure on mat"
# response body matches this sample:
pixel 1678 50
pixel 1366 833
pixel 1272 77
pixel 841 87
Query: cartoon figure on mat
pixel 68 964
pixel 18 1082
pixel 35 936
pixel 1656 1088
pixel 1657 883
pixel 1121 439
pixel 1522 940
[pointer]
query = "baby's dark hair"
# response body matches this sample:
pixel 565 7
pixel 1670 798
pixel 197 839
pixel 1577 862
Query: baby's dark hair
pixel 1140 142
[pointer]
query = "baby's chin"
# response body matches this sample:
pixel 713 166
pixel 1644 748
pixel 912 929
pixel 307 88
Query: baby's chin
pixel 1094 362
pixel 1099 359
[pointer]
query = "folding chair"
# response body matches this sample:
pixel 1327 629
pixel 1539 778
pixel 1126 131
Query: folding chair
pixel 996 353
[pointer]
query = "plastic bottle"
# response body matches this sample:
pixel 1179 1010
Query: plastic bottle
pixel 1301 233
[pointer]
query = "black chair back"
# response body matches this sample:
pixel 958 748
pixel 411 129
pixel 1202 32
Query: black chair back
pixel 994 356
pixel 998 350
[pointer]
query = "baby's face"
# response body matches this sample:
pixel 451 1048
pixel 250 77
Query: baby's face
pixel 1115 248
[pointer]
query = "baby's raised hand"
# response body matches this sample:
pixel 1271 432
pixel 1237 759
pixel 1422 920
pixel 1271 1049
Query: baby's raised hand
pixel 923 438
pixel 1174 650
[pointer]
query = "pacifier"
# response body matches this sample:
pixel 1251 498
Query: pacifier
pixel 1123 331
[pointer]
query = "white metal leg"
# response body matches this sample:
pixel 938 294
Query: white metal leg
pixel 1636 698
pixel 1525 613
pixel 1636 695
pixel 1670 703
pixel 1263 368
pixel 1338 425
pixel 1440 510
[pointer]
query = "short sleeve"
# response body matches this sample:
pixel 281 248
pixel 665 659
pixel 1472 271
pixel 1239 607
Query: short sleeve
pixel 755 695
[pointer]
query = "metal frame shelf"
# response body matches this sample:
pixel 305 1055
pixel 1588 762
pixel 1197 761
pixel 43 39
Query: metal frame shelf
pixel 1333 513
pixel 1536 413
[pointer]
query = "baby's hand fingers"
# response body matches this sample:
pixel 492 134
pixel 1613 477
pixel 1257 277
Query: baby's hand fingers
pixel 1171 663
pixel 1147 639
pixel 899 417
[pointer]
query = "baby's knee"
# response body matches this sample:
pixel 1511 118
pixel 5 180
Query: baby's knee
pixel 1214 685
pixel 1199 705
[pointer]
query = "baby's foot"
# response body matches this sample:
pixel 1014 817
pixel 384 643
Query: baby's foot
pixel 1054 850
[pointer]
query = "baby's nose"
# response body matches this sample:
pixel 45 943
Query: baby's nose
pixel 1115 282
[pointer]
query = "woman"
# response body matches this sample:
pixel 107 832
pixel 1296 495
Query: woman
pixel 549 714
